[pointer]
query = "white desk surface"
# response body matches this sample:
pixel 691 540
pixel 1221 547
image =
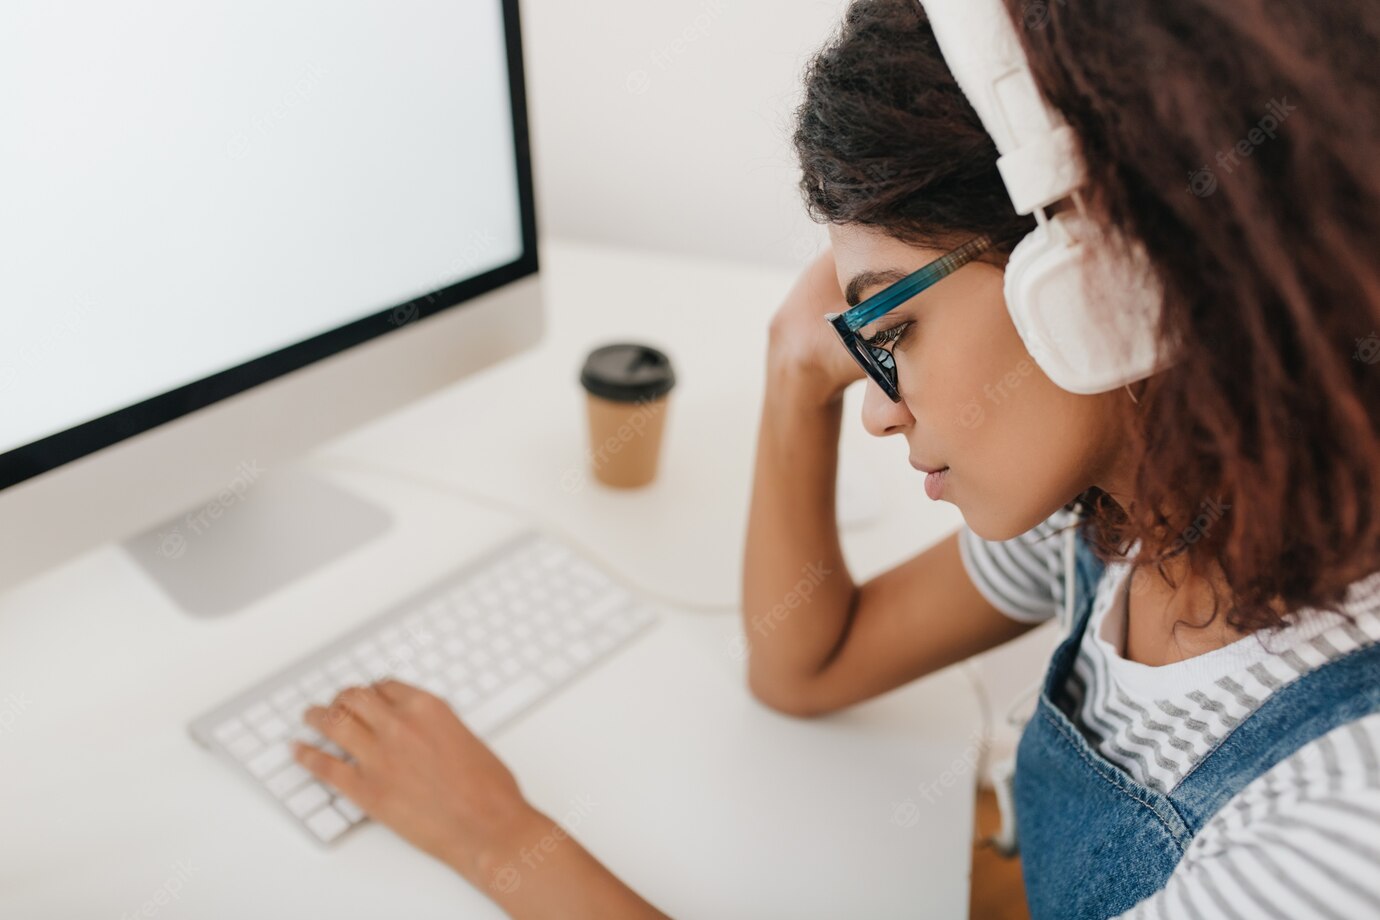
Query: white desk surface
pixel 705 801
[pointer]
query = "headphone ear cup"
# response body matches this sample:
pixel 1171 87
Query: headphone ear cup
pixel 1083 346
pixel 1045 297
pixel 1020 303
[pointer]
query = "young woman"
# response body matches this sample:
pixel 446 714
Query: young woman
pixel 1206 742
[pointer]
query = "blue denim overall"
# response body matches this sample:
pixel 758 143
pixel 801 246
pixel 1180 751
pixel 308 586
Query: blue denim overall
pixel 1093 841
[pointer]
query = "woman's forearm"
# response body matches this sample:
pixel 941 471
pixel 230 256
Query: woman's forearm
pixel 797 592
pixel 541 871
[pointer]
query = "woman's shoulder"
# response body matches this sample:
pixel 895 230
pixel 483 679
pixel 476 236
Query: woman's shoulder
pixel 1298 840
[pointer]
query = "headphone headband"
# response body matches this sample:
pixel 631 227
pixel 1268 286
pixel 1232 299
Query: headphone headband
pixel 1039 159
pixel 1055 273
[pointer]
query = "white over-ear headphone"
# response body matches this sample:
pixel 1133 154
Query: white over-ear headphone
pixel 1086 305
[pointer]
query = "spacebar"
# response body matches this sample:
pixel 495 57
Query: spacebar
pixel 504 704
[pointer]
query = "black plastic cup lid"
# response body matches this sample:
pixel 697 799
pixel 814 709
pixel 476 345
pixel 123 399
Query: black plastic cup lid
pixel 626 372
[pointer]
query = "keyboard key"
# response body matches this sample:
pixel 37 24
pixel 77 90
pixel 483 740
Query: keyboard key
pixel 258 712
pixel 322 695
pixel 229 730
pixel 602 609
pixel 507 702
pixel 352 678
pixel 285 696
pixel 244 747
pixel 307 799
pixel 293 714
pixel 309 735
pixel 272 728
pixel 352 812
pixel 328 824
pixel 556 669
pixel 287 779
pixel 269 759
pixel 462 698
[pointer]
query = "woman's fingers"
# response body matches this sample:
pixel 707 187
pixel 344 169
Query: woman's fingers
pixel 344 724
pixel 329 769
pixel 365 704
pixel 397 693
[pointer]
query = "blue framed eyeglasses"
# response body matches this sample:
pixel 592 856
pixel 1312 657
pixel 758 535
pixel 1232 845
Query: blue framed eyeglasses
pixel 877 362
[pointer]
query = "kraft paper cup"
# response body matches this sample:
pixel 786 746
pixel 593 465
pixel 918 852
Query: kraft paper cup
pixel 627 390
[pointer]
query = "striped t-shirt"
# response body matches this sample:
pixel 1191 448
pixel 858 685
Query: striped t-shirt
pixel 1301 840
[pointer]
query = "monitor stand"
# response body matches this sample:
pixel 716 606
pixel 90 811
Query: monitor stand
pixel 253 539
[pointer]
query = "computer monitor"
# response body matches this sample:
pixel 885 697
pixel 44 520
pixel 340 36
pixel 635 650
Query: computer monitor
pixel 230 232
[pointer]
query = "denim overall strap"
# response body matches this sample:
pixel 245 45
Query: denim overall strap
pixel 1093 841
pixel 1329 697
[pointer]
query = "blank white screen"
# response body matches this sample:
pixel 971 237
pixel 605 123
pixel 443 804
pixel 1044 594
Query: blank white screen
pixel 188 186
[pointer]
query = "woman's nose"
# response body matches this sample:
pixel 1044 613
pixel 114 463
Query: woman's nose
pixel 881 416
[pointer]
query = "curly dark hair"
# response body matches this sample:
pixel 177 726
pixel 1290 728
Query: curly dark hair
pixel 1236 139
pixel 886 138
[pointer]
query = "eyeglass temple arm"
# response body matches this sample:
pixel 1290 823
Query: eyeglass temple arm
pixel 894 296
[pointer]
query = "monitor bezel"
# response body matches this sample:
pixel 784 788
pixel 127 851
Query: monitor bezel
pixel 49 453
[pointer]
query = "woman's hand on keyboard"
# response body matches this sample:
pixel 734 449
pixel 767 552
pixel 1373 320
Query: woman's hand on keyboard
pixel 416 768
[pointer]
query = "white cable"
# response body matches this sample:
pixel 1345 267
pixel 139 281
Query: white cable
pixel 1003 774
pixel 1069 533
pixel 1013 717
pixel 526 514
pixel 984 703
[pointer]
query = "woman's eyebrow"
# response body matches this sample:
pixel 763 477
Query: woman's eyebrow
pixel 864 280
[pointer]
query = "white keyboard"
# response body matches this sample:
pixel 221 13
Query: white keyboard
pixel 493 639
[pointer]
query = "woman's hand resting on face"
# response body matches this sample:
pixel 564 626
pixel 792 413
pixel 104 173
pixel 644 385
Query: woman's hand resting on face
pixel 804 346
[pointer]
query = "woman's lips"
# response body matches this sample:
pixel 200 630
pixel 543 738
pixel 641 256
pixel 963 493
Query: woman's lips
pixel 934 479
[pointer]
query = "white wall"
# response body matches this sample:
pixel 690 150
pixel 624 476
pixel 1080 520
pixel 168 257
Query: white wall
pixel 667 125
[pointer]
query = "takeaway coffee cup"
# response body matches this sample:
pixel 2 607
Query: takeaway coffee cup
pixel 627 387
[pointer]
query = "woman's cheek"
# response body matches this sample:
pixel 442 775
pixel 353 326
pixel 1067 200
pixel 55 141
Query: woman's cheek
pixel 974 377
